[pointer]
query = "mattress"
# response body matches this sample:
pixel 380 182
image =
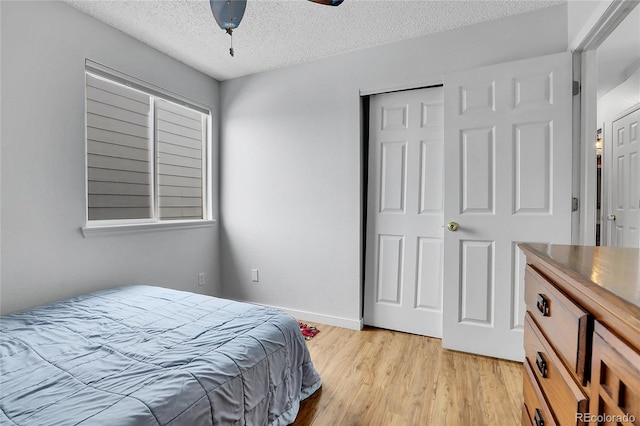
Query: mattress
pixel 144 355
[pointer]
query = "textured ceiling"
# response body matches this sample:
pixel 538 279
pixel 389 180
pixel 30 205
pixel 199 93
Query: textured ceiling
pixel 277 33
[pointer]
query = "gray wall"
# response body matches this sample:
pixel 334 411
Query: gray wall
pixel 290 166
pixel 291 159
pixel 44 255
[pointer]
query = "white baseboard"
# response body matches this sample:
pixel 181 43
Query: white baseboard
pixel 314 317
pixel 324 319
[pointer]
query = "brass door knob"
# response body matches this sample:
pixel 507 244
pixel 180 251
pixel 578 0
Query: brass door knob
pixel 452 226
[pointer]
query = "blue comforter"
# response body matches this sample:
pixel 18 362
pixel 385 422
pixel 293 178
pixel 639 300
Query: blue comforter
pixel 145 355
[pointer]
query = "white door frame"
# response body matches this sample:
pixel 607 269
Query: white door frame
pixel 602 23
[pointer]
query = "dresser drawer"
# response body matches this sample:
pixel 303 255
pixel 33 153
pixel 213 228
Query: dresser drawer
pixel 538 412
pixel 564 323
pixel 565 397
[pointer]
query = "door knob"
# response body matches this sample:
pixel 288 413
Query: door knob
pixel 452 226
pixel 611 216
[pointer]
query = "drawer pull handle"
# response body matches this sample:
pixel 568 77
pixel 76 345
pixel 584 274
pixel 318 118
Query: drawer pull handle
pixel 541 364
pixel 543 305
pixel 537 418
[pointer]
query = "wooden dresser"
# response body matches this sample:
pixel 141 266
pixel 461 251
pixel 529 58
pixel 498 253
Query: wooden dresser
pixel 581 336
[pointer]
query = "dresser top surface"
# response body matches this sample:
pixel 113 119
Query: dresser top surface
pixel 614 269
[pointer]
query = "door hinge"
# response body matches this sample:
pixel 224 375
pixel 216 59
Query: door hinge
pixel 576 88
pixel 575 203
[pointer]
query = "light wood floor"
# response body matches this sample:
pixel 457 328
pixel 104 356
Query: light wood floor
pixel 381 377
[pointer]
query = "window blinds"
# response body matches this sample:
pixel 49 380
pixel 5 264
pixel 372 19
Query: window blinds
pixel 180 136
pixel 145 155
pixel 119 162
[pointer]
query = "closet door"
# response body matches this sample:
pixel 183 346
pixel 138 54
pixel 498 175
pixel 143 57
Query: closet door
pixel 403 278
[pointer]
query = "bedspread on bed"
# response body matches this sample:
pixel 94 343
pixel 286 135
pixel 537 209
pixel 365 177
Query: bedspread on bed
pixel 145 355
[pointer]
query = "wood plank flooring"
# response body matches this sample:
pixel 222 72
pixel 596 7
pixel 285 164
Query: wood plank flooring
pixel 382 377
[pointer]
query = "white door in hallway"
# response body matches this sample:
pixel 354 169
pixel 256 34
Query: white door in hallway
pixel 625 187
pixel 508 158
pixel 404 249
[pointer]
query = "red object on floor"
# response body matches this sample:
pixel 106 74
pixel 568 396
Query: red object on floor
pixel 308 331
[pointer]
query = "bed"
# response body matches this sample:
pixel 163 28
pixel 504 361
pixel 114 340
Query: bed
pixel 144 355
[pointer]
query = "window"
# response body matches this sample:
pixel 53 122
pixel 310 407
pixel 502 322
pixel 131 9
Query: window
pixel 146 155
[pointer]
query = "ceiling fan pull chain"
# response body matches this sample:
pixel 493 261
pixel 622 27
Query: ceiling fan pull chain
pixel 230 32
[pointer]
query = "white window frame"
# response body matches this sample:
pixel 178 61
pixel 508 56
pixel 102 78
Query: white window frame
pixel 119 226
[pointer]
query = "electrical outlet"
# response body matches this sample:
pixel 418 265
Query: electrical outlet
pixel 201 279
pixel 254 275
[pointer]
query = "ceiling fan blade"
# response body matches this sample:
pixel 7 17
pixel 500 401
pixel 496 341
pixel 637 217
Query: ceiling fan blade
pixel 328 2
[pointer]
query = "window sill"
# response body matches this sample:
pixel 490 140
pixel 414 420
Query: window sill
pixel 105 230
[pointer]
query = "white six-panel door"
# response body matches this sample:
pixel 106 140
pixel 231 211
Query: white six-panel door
pixel 508 180
pixel 404 250
pixel 625 174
